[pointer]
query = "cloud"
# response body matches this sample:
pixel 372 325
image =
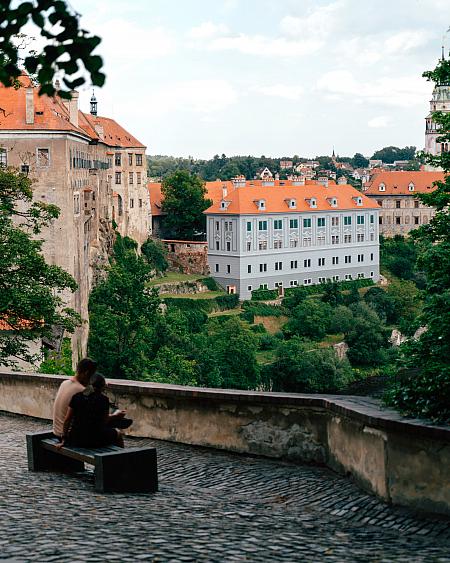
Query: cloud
pixel 319 22
pixel 285 91
pixel 379 122
pixel 402 91
pixel 206 30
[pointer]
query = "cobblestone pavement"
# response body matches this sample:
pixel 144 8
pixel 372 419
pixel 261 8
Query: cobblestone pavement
pixel 211 506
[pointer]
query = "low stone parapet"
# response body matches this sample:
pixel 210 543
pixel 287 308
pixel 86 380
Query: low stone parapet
pixel 403 461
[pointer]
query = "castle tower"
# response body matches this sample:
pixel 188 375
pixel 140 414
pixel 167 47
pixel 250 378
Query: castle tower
pixel 439 102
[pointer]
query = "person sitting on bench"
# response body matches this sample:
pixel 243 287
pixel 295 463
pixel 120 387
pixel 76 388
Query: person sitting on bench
pixel 88 422
pixel 68 388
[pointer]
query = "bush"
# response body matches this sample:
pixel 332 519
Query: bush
pixel 267 342
pixel 250 309
pixel 155 252
pixel 211 284
pixel 264 294
pixel 310 319
pixel 368 338
pixel 320 287
pixel 61 363
pixel 219 303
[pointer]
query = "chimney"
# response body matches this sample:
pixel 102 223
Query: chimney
pixel 73 108
pixel 323 181
pixel 342 180
pixel 99 130
pixel 224 192
pixel 29 106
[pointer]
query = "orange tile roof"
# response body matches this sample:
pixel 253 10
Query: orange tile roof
pixel 243 200
pixel 114 134
pixel 397 182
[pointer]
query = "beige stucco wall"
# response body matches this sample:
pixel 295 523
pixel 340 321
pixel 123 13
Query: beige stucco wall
pixel 400 461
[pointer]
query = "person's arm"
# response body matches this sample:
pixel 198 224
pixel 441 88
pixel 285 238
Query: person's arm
pixel 67 421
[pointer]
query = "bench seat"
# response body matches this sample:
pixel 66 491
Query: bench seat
pixel 115 469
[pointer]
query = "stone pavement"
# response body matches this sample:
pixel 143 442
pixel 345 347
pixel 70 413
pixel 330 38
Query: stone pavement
pixel 211 506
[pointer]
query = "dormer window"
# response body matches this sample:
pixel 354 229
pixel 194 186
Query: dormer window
pixel 312 202
pixel 358 200
pixel 224 204
pixel 382 187
pixel 291 203
pixel 411 187
pixel 332 201
pixel 261 204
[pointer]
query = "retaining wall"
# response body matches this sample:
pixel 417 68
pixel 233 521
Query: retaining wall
pixel 402 461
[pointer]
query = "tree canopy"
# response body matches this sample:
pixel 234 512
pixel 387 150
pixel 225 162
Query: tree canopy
pixel 390 154
pixel 31 291
pixel 67 51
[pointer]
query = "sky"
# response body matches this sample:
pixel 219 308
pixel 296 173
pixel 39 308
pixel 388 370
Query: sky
pixel 267 77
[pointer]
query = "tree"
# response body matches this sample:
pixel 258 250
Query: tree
pixel 359 161
pixel 123 315
pixel 426 389
pixel 341 320
pixel 332 294
pixel 310 319
pixel 390 154
pixel 184 203
pixel 67 51
pixel 405 298
pixel 368 337
pixel 156 253
pixel 31 291
pixel 381 302
pixel 171 366
pixel 302 368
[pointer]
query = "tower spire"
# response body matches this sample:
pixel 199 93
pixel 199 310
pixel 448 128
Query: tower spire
pixel 93 104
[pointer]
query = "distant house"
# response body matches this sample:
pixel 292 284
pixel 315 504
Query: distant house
pixel 374 163
pixel 264 174
pixel 286 164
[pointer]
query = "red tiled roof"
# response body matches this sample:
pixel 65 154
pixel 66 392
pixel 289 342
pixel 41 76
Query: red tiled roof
pixel 397 182
pixel 114 134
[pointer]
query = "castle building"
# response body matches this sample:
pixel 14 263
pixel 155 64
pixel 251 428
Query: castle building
pixel 291 233
pixel 440 101
pixel 396 194
pixel 74 159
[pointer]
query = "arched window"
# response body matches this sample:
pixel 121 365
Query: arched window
pixel 382 187
pixel 119 205
pixel 411 187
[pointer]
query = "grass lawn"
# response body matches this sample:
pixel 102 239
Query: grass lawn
pixel 228 313
pixel 175 277
pixel 264 357
pixel 202 295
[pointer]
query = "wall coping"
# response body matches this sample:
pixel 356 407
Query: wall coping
pixel 365 410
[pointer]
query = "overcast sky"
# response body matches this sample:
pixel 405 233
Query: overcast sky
pixel 272 77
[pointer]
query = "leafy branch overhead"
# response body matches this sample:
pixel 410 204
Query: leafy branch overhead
pixel 68 50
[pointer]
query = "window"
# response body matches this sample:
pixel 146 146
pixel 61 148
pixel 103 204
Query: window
pixel 138 178
pixel 216 268
pixel 322 280
pixel 348 260
pixel 335 260
pixel 306 223
pixel 360 237
pixel 293 223
pixel 321 262
pixel 347 238
pixel 360 276
pixel 226 226
pixel 307 281
pixel 307 263
pixel 380 202
pixel 307 241
pixel 262 245
pixel 335 239
pixel 335 278
pixel 263 267
pixel 249 226
pixel 293 243
pixel 217 245
pixel 278 284
pixel 278 265
pixel 278 224
pixel 294 264
pixel 262 225
pixel 249 288
pixel 118 159
pixel 249 269
pixel 360 220
pixel 334 221
pixel 293 283
pixel 380 220
pixel 263 286
pixel 130 177
pixel 25 168
pixel 360 257
pixel 321 221
pixel 371 274
pixel 416 220
pixel 382 188
pixel 139 160
pixel 140 202
pixel 416 204
pixel 228 246
pixel 130 159
pixel 131 203
pixel 249 246
pixel 397 204
pixel 43 158
pixel 278 244
pixel 228 269
pixel 217 225
pixel 118 177
pixel 3 158
pixel 348 276
pixel 371 256
pixel 76 204
pixel 372 219
pixel 348 220
pixel 321 239
pixel 397 220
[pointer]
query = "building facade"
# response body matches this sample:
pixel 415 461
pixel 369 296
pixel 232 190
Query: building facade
pixel 440 101
pixel 290 235
pixel 396 194
pixel 68 154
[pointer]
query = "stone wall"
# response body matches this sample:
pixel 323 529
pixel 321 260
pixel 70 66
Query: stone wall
pixel 402 461
pixel 188 257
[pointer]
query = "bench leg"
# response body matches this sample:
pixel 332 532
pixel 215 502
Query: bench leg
pixel 128 471
pixel 40 459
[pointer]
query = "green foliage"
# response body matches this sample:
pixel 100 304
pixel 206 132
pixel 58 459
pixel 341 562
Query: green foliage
pixel 399 255
pixel 264 294
pixel 405 298
pixel 211 284
pixel 123 312
pixel 300 367
pixel 367 338
pixel 67 50
pixel 332 294
pixel 390 154
pixel 156 253
pixel 295 296
pixel 359 161
pixel 320 288
pixel 171 366
pixel 252 308
pixel 382 303
pixel 31 301
pixel 219 303
pixel 184 202
pixel 310 319
pixel 58 363
pixel 341 320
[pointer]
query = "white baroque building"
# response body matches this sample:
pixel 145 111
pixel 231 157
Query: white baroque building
pixel 284 234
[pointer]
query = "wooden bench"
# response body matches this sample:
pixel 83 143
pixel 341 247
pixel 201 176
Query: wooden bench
pixel 130 470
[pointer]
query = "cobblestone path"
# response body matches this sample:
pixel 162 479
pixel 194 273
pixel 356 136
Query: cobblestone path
pixel 211 506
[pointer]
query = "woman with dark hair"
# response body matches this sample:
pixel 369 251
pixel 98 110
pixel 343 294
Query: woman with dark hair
pixel 88 422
